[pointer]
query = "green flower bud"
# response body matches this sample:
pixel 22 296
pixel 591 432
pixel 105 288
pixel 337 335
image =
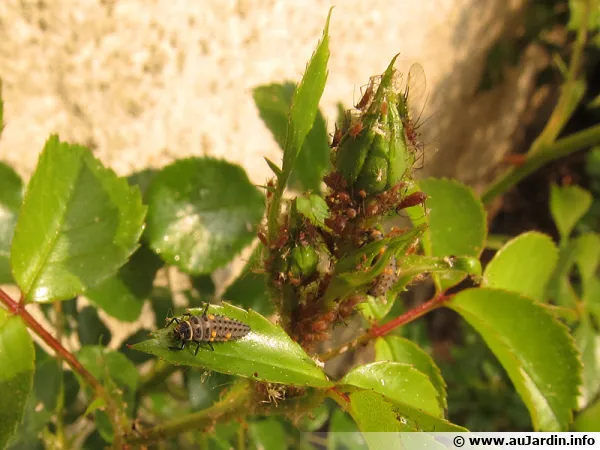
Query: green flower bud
pixel 373 154
pixel 303 261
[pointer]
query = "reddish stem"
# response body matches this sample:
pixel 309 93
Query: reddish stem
pixel 19 309
pixel 409 316
pixel 382 330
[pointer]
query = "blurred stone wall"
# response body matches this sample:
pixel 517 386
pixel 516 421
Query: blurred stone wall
pixel 142 82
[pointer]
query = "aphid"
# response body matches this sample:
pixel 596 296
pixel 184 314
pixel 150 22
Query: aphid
pixel 207 328
pixel 337 137
pixel 414 199
pixel 366 98
pixel 355 129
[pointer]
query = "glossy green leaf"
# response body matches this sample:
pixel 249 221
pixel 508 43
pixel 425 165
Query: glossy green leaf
pixel 79 223
pixel 42 402
pixel 17 360
pixel 314 208
pixel 267 353
pixel 274 102
pixel 588 342
pixel 376 308
pixel 268 434
pixel 523 265
pixel 248 290
pixel 305 103
pixel 201 213
pixel 142 179
pixel 447 267
pixel 519 331
pixel 568 204
pixel 92 330
pixel 11 196
pixel 374 413
pixel 402 384
pixel 401 350
pixel 313 160
pixel 457 222
pixel 123 295
pixel 588 420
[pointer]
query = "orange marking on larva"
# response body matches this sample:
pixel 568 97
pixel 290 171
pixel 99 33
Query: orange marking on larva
pixel 227 336
pixel 212 339
pixel 213 334
pixel 211 317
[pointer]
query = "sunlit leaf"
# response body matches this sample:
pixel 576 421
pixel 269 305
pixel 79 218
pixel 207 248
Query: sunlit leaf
pixel 588 341
pixel 305 103
pixel 123 295
pixel 11 196
pixel 374 413
pixel 17 360
pixel 399 349
pixel 201 213
pixel 79 223
pixel 523 265
pixel 518 331
pixel 267 353
pixel 402 384
pixel 457 222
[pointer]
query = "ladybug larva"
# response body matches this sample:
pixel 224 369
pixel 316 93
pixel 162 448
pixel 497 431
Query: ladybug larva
pixel 207 328
pixel 384 282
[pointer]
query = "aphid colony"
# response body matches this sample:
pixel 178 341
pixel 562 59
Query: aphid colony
pixel 207 328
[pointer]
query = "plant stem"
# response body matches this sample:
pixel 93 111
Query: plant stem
pixel 231 406
pixel 545 148
pixel 60 426
pixel 115 416
pixel 63 353
pixel 379 331
pixel 562 147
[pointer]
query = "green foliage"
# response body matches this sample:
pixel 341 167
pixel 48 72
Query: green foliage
pixel 11 196
pixel 202 212
pixel 17 360
pixel 82 242
pixel 454 209
pixel 267 354
pixel 324 255
pixel 523 265
pixel 548 386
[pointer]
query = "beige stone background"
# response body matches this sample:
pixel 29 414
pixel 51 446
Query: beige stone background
pixel 142 82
